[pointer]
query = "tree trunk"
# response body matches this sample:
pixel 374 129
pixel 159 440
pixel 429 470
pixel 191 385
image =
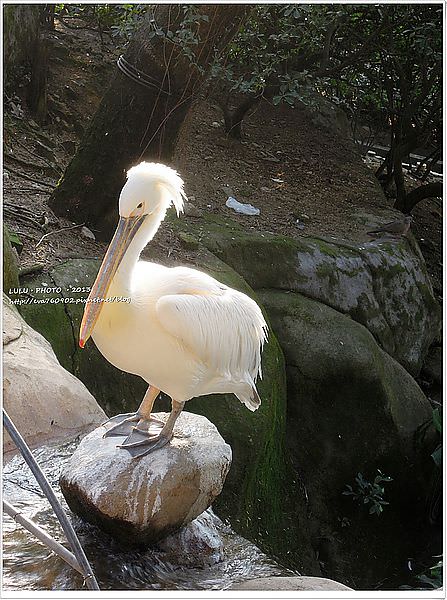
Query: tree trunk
pixel 234 117
pixel 137 122
pixel 431 190
pixel 37 88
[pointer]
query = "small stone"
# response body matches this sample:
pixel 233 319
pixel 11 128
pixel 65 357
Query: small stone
pixel 215 124
pixel 140 501
pixel 190 210
pixel 86 233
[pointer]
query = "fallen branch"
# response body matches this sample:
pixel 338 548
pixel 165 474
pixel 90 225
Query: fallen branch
pixel 20 216
pixel 46 161
pixel 33 180
pixel 26 190
pixel 58 231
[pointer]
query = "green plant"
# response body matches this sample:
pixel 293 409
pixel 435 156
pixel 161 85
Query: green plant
pixel 370 493
pixel 432 578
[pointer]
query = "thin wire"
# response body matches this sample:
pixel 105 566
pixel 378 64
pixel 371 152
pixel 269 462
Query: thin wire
pixel 139 76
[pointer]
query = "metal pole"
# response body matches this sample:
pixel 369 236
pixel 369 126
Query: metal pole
pixel 72 538
pixel 42 535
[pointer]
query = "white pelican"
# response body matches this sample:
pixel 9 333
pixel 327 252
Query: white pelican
pixel 183 332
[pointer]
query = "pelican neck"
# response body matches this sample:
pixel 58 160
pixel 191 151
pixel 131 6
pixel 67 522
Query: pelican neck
pixel 123 275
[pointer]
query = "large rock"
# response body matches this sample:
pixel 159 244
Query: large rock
pixel 140 501
pixel 10 264
pixel 290 584
pixel 57 313
pixel 382 285
pixel 45 402
pixel 352 409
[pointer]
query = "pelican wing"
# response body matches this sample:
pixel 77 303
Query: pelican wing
pixel 224 328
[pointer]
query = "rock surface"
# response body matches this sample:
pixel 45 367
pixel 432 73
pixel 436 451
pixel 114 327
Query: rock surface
pixel 383 285
pixel 290 584
pixel 45 402
pixel 140 501
pixel 10 264
pixel 351 409
pixel 432 367
pixel 198 544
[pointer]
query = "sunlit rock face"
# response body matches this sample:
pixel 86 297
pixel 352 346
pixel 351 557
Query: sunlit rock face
pixel 45 402
pixel 381 284
pixel 289 584
pixel 143 500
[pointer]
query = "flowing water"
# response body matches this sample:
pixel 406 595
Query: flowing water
pixel 28 565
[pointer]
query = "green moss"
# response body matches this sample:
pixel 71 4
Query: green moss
pixel 328 249
pixel 188 241
pixel 10 264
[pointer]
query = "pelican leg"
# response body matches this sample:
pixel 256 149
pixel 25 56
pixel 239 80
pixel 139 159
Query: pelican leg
pixel 123 424
pixel 141 442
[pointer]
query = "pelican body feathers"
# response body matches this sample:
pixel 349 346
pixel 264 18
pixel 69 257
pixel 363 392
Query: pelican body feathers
pixel 182 331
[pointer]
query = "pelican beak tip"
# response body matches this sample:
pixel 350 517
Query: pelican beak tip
pixel 81 342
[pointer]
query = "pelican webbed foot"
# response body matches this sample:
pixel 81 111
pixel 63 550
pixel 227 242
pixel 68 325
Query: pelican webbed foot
pixel 140 442
pixel 124 424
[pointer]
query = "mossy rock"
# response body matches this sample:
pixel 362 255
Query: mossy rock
pixel 384 286
pixel 10 265
pixel 352 409
pixel 59 321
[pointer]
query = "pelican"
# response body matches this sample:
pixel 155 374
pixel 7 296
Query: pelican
pixel 182 331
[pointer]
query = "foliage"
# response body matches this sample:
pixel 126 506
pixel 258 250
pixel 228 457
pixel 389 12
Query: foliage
pixel 272 48
pixel 371 493
pixel 432 579
pixel 186 36
pixel 380 62
pixel 120 19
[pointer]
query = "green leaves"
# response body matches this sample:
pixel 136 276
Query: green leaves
pixel 369 493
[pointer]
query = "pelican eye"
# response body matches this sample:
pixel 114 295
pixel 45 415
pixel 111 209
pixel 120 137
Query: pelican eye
pixel 138 210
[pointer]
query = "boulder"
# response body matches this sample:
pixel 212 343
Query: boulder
pixel 45 402
pixel 383 285
pixel 352 409
pixel 140 501
pixel 64 290
pixel 291 584
pixel 198 544
pixel 10 264
pixel 432 368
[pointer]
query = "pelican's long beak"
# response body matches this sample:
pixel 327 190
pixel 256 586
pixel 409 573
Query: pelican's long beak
pixel 124 234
